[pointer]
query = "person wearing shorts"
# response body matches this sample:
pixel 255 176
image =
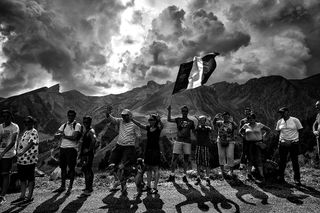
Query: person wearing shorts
pixel 9 132
pixel 245 147
pixel 123 157
pixel 27 160
pixel 316 128
pixel 183 143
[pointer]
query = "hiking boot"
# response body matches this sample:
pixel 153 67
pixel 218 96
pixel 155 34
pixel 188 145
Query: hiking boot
pixel 115 186
pixel 154 191
pixel 60 190
pixel 297 182
pixel 184 179
pixel 2 200
pixel 26 202
pixel 198 181
pixel 250 177
pixel 20 199
pixel 171 178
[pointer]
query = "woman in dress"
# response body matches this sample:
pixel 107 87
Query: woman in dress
pixel 153 150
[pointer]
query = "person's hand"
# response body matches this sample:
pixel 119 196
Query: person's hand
pixel 316 133
pixel 231 119
pixel 169 108
pixel 109 109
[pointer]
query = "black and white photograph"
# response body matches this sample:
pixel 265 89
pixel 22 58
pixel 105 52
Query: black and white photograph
pixel 160 106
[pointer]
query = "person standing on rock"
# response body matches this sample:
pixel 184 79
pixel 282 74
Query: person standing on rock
pixel 245 150
pixel 225 141
pixel 27 161
pixel 183 143
pixel 9 132
pixel 289 129
pixel 70 134
pixel 252 131
pixel 202 154
pixel 316 128
pixel 123 156
pixel 87 151
pixel 153 150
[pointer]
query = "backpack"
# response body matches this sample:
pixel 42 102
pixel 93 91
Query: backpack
pixel 74 126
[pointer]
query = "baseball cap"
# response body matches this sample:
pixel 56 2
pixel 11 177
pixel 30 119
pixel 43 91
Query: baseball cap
pixel 125 112
pixel 283 109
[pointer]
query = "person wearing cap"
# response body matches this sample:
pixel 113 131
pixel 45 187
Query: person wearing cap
pixel 225 141
pixel 316 128
pixel 254 132
pixel 202 154
pixel 123 155
pixel 154 149
pixel 245 150
pixel 9 132
pixel 27 161
pixel 183 143
pixel 288 128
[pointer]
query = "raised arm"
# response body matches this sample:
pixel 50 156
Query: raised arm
pixel 169 119
pixel 140 125
pixel 109 117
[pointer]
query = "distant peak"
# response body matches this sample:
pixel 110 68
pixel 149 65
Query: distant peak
pixel 152 83
pixel 55 88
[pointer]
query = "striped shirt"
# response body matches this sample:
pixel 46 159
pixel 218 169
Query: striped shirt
pixel 127 132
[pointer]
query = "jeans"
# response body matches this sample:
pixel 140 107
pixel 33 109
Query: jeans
pixel 245 152
pixel 226 154
pixel 294 152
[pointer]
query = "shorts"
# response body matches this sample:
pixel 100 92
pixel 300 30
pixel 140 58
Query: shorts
pixel 5 165
pixel 125 155
pixel 68 158
pixel 202 156
pixel 181 148
pixel 26 172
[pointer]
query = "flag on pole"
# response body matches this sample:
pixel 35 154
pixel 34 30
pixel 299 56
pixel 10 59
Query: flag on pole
pixel 195 73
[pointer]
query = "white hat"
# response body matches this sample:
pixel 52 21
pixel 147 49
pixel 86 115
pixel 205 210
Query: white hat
pixel 126 112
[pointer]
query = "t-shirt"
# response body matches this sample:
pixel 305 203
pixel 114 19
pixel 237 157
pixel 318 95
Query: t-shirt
pixel 30 156
pixel 127 132
pixel 184 126
pixel 226 130
pixel 69 131
pixel 7 133
pixel 289 128
pixel 253 133
pixel 203 135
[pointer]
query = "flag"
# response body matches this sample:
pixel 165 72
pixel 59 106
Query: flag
pixel 195 73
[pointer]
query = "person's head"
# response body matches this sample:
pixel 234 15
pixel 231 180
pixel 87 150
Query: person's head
pixel 252 118
pixel 7 116
pixel 71 115
pixel 153 120
pixel 226 116
pixel 126 115
pixel 29 122
pixel 247 111
pixel 87 120
pixel 202 120
pixel 184 111
pixel 317 105
pixel 283 112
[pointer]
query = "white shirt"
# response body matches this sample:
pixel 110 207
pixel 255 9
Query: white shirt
pixel 68 131
pixel 8 132
pixel 289 128
pixel 253 133
pixel 127 132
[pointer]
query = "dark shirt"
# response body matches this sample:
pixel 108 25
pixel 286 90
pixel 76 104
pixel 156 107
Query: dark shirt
pixel 153 138
pixel 87 142
pixel 184 126
pixel 203 135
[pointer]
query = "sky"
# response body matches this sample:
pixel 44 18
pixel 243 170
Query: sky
pixel 101 47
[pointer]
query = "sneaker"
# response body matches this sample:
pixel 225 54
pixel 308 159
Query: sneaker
pixel 88 192
pixel 171 178
pixel 59 190
pixel 20 199
pixel 198 181
pixel 26 202
pixel 184 179
pixel 2 200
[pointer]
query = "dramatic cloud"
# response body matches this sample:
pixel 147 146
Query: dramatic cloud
pixel 110 46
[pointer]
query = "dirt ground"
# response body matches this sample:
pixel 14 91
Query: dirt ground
pixel 236 195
